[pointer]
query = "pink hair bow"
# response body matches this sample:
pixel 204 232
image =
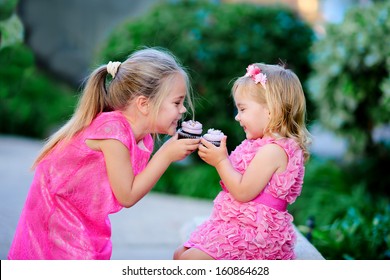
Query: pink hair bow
pixel 255 73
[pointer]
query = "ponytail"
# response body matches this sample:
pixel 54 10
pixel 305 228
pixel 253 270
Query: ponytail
pixel 92 102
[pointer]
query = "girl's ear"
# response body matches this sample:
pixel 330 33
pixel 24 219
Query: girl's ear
pixel 143 105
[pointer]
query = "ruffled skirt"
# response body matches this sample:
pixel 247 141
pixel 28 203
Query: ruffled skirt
pixel 245 231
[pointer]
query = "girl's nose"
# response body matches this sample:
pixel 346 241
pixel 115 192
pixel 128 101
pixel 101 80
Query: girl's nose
pixel 183 110
pixel 237 118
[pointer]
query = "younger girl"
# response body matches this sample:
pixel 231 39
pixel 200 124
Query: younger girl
pixel 261 176
pixel 98 162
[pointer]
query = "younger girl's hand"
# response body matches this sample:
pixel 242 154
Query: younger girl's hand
pixel 212 154
pixel 176 149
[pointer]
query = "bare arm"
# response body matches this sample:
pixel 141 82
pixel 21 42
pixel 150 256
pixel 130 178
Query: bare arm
pixel 244 187
pixel 129 189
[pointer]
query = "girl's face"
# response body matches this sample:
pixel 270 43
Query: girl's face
pixel 252 116
pixel 172 108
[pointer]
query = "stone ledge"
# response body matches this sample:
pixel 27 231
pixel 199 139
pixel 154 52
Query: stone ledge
pixel 304 250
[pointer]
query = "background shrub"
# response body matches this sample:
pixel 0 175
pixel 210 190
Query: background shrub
pixel 31 102
pixel 357 234
pixel 190 179
pixel 350 86
pixel 7 9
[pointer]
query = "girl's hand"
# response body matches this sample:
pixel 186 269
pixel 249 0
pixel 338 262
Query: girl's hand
pixel 211 154
pixel 176 149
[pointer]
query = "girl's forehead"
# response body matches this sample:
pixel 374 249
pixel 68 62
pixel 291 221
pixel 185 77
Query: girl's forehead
pixel 178 85
pixel 243 94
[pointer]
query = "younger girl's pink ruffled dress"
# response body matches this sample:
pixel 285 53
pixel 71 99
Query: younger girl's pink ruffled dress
pixel 260 229
pixel 66 212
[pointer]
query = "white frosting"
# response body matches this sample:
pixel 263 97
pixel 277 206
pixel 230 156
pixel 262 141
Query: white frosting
pixel 213 135
pixel 193 127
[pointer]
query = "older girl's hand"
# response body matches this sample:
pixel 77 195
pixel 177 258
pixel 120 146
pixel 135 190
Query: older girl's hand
pixel 176 149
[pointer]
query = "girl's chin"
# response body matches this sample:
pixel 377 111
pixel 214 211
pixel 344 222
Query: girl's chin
pixel 171 131
pixel 249 137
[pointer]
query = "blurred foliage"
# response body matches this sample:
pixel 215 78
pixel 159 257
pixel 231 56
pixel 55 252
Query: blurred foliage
pixel 31 102
pixel 11 31
pixel 7 8
pixel 190 178
pixel 349 222
pixel 217 41
pixel 357 235
pixel 350 83
pixel 11 28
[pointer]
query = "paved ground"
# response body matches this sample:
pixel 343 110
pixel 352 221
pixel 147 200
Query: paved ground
pixel 150 230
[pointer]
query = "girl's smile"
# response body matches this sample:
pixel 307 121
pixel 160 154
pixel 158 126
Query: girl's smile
pixel 172 108
pixel 252 116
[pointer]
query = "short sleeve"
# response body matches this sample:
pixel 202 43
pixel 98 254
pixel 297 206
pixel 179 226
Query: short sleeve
pixel 110 126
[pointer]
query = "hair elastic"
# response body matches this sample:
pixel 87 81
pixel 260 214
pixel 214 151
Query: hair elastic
pixel 112 68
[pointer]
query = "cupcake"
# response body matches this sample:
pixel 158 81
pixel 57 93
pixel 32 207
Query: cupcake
pixel 190 129
pixel 214 136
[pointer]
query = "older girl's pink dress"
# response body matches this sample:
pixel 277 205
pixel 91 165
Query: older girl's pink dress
pixel 260 229
pixel 66 212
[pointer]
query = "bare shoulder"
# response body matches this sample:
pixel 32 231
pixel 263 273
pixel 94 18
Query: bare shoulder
pixel 273 149
pixel 274 155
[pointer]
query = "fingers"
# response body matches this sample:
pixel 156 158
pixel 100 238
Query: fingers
pixel 190 141
pixel 205 144
pixel 223 142
pixel 190 144
pixel 201 153
pixel 204 147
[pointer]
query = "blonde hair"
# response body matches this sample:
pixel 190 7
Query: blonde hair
pixel 147 72
pixel 283 95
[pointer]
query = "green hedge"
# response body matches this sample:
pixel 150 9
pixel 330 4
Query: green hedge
pixel 192 179
pixel 350 85
pixel 31 104
pixel 350 82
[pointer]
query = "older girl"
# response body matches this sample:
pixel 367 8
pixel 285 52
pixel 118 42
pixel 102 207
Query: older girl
pixel 98 162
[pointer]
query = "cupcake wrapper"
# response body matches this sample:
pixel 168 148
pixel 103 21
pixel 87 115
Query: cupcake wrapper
pixel 184 135
pixel 215 143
